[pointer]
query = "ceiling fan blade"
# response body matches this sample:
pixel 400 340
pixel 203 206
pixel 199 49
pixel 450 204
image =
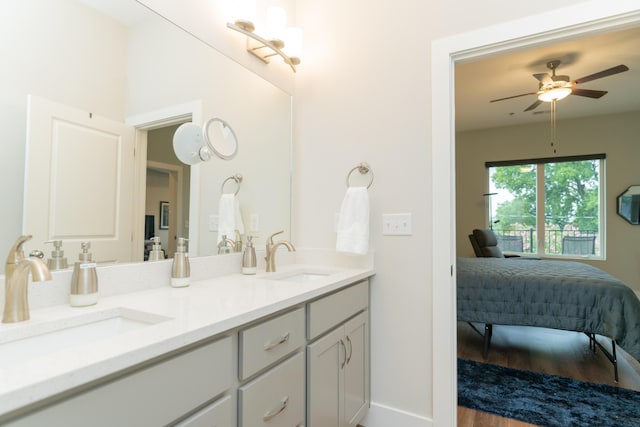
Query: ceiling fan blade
pixel 604 73
pixel 544 78
pixel 514 96
pixel 589 93
pixel 533 106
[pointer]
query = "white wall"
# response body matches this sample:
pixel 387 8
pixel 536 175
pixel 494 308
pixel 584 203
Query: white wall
pixel 90 74
pixel 614 135
pixel 363 94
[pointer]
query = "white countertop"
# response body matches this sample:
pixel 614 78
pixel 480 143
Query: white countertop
pixel 204 309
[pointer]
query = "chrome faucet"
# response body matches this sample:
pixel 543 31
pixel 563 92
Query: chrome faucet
pixel 16 270
pixel 271 251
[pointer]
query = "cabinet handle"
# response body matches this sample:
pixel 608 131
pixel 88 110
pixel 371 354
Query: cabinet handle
pixel 350 349
pixel 275 411
pixel 272 344
pixel 344 349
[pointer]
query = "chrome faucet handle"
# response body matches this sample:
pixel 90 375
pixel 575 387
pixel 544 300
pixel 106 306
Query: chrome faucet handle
pixel 36 254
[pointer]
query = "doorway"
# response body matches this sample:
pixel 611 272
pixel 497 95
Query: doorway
pixel 551 27
pixel 185 179
pixel 167 190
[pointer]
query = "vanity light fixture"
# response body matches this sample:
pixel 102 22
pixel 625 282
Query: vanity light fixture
pixel 272 44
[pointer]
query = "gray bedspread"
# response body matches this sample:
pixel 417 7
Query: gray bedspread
pixel 553 294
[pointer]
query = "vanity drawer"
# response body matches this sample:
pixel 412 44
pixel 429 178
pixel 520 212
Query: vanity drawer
pixel 275 398
pixel 151 396
pixel 218 414
pixel 327 312
pixel 270 341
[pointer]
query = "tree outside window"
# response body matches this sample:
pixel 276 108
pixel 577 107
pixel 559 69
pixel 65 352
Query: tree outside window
pixel 556 215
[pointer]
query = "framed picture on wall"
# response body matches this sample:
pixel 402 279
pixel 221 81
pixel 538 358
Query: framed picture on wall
pixel 164 215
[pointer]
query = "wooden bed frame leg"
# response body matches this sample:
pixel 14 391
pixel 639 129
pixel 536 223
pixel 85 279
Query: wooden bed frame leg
pixel 488 331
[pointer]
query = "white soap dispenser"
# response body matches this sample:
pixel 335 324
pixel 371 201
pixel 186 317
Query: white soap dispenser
pixel 84 281
pixel 180 270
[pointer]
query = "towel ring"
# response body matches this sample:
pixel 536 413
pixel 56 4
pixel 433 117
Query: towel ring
pixel 238 180
pixel 363 168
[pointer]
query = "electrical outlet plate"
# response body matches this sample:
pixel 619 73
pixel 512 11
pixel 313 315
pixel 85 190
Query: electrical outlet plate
pixel 254 222
pixel 396 224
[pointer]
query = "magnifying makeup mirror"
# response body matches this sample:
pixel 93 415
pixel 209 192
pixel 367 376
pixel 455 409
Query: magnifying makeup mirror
pixel 193 144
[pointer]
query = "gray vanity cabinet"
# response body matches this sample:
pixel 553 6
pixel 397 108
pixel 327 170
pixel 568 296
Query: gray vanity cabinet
pixel 338 362
pixel 305 366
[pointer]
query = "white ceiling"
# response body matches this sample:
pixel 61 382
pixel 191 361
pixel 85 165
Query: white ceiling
pixel 479 82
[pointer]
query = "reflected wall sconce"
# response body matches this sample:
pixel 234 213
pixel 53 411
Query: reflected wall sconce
pixel 276 36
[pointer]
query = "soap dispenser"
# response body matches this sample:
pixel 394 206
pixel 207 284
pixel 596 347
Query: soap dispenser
pixel 249 260
pixel 57 261
pixel 180 270
pixel 84 281
pixel 156 253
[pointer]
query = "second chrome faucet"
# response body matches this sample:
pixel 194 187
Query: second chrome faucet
pixel 271 250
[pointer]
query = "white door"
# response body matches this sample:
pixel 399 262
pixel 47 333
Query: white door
pixel 78 180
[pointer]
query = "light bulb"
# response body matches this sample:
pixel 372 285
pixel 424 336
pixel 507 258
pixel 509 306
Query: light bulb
pixel 276 23
pixel 554 94
pixel 293 41
pixel 243 13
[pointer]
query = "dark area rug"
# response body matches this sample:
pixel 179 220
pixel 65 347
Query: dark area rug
pixel 545 400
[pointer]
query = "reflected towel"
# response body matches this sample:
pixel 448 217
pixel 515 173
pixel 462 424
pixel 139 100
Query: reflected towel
pixel 229 217
pixel 353 222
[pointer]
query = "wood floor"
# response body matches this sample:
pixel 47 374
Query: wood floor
pixel 541 350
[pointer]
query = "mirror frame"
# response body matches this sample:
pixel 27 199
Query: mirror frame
pixel 634 193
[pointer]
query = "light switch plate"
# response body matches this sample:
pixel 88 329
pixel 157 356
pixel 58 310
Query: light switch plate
pixel 214 220
pixel 396 224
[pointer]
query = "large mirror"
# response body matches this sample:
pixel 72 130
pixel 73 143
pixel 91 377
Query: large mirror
pixel 628 204
pixel 119 61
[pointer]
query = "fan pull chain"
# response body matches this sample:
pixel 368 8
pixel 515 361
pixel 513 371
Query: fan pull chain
pixel 553 127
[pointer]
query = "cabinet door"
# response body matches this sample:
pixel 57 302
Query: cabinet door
pixel 325 359
pixel 356 369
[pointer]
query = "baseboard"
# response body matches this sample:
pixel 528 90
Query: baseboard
pixel 385 416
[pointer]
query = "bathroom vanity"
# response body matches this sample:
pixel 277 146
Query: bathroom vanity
pixel 289 348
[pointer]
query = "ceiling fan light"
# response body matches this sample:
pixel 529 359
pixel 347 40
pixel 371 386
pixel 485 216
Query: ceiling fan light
pixel 554 94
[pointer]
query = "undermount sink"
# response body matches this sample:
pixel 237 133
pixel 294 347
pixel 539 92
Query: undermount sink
pixel 301 276
pixel 39 339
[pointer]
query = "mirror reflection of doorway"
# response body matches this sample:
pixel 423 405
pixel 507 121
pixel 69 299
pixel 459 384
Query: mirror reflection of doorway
pixel 167 180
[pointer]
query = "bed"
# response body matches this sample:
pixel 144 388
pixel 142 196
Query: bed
pixel 563 295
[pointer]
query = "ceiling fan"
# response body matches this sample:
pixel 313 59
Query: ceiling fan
pixel 556 87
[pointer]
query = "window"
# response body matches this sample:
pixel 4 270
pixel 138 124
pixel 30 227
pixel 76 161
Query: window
pixel 548 206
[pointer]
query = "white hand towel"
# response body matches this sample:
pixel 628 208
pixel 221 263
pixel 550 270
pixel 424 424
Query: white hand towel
pixel 353 222
pixel 229 217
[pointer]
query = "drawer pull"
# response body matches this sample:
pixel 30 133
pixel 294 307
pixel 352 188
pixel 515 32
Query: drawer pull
pixel 344 351
pixel 350 349
pixel 272 344
pixel 281 407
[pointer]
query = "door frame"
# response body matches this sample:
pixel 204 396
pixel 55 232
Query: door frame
pixel 179 113
pixel 583 19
